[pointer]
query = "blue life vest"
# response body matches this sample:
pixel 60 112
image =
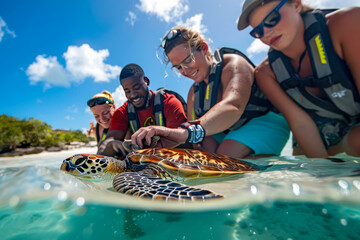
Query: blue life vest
pixel 331 75
pixel 206 95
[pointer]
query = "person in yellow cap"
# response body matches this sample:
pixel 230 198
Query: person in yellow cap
pixel 312 72
pixel 103 107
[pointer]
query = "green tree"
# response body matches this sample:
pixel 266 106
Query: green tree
pixel 33 133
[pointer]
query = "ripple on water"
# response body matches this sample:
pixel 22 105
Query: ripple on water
pixel 295 198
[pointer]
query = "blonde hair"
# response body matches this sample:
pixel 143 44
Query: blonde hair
pixel 105 94
pixel 188 35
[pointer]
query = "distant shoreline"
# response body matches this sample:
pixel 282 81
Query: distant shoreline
pixel 90 147
pixel 19 152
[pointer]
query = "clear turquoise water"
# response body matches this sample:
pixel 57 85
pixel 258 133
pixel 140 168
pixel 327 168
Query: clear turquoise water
pixel 295 198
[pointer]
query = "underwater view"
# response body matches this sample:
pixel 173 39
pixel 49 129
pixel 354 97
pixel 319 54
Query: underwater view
pixel 293 198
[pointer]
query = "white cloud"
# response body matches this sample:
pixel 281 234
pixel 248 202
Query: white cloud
pixel 195 23
pixel 84 62
pixel 67 117
pixel 330 3
pixel 131 18
pixel 81 62
pixel 5 30
pixel 48 70
pixel 172 11
pixel 72 109
pixel 256 47
pixel 165 10
pixel 87 110
pixel 119 96
pixel 2 24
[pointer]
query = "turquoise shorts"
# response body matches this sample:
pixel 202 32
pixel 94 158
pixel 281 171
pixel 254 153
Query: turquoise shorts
pixel 266 134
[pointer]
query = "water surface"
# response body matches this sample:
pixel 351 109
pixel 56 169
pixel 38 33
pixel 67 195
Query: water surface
pixel 294 198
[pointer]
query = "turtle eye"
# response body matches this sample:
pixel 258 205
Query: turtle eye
pixel 78 160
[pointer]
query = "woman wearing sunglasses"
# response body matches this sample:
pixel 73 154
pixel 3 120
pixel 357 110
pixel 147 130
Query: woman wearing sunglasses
pixel 312 72
pixel 103 107
pixel 229 114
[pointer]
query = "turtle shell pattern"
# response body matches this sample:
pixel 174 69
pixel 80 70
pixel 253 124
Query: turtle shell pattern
pixel 184 163
pixel 145 173
pixel 190 163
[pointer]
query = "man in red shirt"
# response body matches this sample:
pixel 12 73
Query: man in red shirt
pixel 138 111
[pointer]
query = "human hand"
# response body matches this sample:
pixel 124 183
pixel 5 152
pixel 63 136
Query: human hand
pixel 169 137
pixel 91 131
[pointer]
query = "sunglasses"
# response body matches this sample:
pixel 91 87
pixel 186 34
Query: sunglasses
pixel 169 36
pixel 186 62
pixel 98 101
pixel 271 20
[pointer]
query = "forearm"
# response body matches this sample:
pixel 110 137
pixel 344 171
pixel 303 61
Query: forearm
pixel 220 118
pixel 105 145
pixel 308 138
pixel 170 137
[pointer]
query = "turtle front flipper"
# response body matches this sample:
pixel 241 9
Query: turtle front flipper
pixel 145 186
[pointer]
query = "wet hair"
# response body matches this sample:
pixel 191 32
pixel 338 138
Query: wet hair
pixel 131 70
pixel 188 36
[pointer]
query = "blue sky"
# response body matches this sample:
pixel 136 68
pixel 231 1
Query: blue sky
pixel 55 55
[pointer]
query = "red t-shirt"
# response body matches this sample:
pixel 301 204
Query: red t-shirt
pixel 173 111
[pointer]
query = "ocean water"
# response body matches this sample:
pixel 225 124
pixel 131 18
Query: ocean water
pixel 294 198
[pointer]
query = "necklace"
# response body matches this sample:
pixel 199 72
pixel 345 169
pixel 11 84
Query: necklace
pixel 300 61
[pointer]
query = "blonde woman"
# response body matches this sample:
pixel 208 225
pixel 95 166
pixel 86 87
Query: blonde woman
pixel 312 72
pixel 103 107
pixel 229 114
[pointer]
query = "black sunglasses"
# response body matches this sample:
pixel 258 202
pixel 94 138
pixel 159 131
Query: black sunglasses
pixel 269 21
pixel 98 101
pixel 169 36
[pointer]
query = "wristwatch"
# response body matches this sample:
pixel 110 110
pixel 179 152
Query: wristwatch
pixel 195 130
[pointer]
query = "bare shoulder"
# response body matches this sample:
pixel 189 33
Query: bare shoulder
pixel 344 28
pixel 236 62
pixel 263 70
pixel 236 68
pixel 343 15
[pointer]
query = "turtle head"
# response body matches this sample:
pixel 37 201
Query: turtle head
pixel 85 164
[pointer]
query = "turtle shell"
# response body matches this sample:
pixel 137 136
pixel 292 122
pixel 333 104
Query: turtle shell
pixel 190 163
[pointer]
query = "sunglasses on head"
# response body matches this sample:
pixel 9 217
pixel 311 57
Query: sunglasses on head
pixel 98 101
pixel 169 36
pixel 271 20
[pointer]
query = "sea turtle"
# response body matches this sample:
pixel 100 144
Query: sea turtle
pixel 151 172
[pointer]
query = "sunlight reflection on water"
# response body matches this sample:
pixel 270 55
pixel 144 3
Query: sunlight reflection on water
pixel 295 198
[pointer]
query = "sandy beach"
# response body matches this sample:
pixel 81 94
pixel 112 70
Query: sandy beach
pixel 287 151
pixel 46 154
pixel 43 159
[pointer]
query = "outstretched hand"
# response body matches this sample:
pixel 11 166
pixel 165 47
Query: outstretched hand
pixel 169 137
